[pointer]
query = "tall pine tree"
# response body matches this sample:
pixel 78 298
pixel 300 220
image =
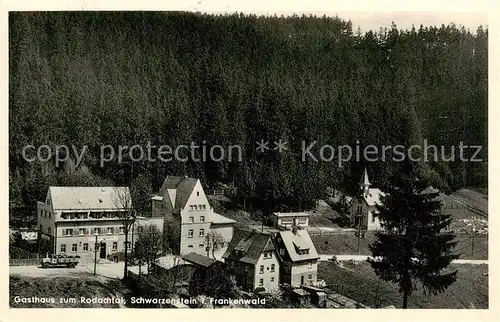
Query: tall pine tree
pixel 414 248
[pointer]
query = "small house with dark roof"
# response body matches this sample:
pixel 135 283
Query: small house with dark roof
pixel 188 216
pixel 198 260
pixel 251 257
pixel 298 257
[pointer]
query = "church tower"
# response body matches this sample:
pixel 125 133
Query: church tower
pixel 365 184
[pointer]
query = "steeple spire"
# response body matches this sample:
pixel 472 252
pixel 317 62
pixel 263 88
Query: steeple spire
pixel 365 182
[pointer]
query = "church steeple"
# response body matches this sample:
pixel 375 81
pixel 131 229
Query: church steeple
pixel 365 184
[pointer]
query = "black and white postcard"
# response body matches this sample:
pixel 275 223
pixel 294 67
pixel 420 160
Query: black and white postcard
pixel 247 159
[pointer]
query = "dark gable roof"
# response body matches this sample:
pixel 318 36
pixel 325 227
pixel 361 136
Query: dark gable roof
pixel 184 187
pixel 198 259
pixel 251 243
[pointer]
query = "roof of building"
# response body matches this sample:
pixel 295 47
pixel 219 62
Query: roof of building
pixel 373 196
pixel 291 214
pixel 91 198
pixel 301 292
pixel 198 259
pixel 298 240
pixel 251 244
pixel 219 219
pixel 430 190
pixel 157 198
pixel 184 187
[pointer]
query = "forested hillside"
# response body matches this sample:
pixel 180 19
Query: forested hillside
pixel 169 78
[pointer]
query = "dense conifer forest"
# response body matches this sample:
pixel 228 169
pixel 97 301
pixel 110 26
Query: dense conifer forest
pixel 97 79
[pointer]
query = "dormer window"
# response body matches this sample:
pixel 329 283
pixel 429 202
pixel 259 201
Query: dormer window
pixel 303 252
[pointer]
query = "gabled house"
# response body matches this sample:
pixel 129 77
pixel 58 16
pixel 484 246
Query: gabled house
pixel 188 216
pixel 251 257
pixel 72 217
pixel 363 207
pixel 298 257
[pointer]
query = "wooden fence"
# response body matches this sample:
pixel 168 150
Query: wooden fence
pixel 222 192
pixel 24 262
pixel 333 232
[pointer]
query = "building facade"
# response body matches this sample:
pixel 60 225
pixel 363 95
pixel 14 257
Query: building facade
pixel 363 208
pixel 74 218
pixel 289 219
pixel 298 257
pixel 188 217
pixel 251 257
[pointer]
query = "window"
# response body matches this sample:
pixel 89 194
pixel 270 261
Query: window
pixel 272 279
pixel 282 251
pixel 48 214
pixel 115 245
pixel 109 230
pixel 360 208
pixel 140 229
pixel 191 220
pixel 268 255
pixel 373 218
pixel 190 246
pixel 195 207
pixel 81 231
pixel 50 230
pixel 310 265
pixel 197 193
pixel 97 231
pixel 48 201
pixel 191 207
pixel 74 247
pixel 122 230
pixel 69 232
pixel 202 218
pixel 201 245
pixel 86 247
pixel 63 248
pixel 261 282
pixel 261 269
pixel 272 267
pixel 128 246
pixel 190 233
pixel 309 277
pixel 41 228
pixel 202 233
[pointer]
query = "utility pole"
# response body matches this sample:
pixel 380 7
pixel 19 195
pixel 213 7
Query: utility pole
pixel 95 254
pixel 360 218
pixel 473 234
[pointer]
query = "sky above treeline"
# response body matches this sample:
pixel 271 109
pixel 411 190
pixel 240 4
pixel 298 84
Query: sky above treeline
pixel 374 20
pixel 405 20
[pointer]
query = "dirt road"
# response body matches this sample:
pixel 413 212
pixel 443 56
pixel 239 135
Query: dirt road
pixel 360 258
pixel 111 270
